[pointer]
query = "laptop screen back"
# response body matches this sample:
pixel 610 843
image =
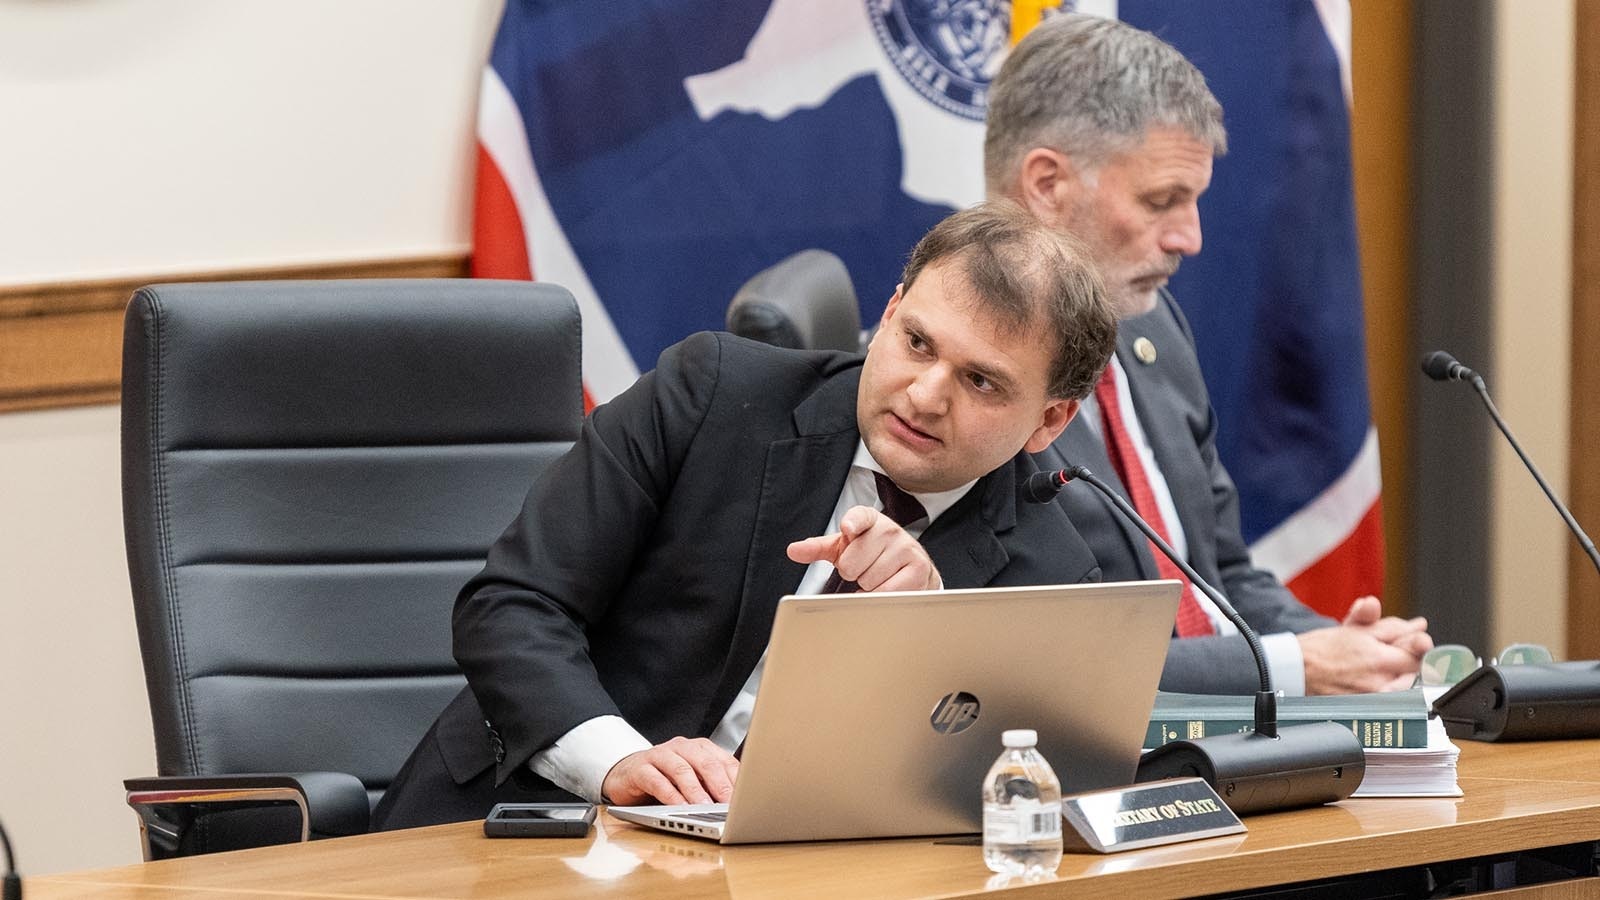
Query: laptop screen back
pixel 879 714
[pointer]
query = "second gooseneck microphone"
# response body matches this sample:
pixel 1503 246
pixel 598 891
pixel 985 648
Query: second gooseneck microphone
pixel 1441 366
pixel 11 884
pixel 1554 701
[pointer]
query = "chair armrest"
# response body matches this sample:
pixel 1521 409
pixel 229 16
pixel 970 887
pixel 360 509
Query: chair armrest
pixel 330 804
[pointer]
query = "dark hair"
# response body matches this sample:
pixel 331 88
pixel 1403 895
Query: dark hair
pixel 1028 276
pixel 1092 87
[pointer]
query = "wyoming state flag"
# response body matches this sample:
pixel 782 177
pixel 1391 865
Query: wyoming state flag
pixel 1275 296
pixel 651 156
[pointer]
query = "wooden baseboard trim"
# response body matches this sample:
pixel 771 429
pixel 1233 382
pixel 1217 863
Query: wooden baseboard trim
pixel 61 342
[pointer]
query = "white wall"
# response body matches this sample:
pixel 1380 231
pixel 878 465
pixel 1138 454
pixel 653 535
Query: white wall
pixel 1532 265
pixel 143 136
pixel 175 134
pixel 72 700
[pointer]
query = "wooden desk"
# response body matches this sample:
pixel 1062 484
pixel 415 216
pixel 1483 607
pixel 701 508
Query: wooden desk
pixel 1518 797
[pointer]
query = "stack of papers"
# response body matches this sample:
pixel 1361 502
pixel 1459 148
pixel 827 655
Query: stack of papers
pixel 1413 772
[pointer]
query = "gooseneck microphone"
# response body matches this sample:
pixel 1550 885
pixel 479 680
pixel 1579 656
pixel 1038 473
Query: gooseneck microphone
pixel 1042 487
pixel 1259 771
pixel 12 885
pixel 1441 366
pixel 1555 701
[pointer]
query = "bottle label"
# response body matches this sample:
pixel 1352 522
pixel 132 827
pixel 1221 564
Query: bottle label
pixel 1024 822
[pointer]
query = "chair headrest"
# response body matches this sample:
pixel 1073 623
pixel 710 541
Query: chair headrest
pixel 804 302
pixel 356 362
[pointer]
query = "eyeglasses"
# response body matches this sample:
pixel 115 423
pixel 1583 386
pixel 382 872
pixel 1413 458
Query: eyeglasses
pixel 1449 663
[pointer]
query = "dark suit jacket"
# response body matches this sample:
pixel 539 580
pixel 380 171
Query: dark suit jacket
pixel 1174 409
pixel 643 574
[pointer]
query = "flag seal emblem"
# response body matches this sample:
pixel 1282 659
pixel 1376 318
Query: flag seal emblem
pixel 948 50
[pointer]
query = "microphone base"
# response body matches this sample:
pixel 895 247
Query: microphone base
pixel 1305 765
pixel 1554 701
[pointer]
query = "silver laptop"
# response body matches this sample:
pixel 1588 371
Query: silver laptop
pixel 879 714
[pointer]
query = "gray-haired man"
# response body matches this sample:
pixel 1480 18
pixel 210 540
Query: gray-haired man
pixel 1105 131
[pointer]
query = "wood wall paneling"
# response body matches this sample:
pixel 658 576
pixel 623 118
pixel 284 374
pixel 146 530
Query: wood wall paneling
pixel 1381 128
pixel 61 342
pixel 1583 585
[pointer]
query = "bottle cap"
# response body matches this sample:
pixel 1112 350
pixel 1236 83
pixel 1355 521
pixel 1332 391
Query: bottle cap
pixel 1019 737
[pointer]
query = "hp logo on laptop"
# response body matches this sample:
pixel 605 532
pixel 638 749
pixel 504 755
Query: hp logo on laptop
pixel 954 713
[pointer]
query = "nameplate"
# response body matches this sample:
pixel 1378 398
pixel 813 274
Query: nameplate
pixel 1145 815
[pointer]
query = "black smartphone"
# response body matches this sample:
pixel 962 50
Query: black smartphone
pixel 539 820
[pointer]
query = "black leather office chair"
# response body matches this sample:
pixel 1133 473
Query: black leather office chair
pixel 804 302
pixel 311 470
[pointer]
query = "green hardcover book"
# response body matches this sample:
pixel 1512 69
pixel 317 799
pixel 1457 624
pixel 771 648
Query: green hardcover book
pixel 1390 719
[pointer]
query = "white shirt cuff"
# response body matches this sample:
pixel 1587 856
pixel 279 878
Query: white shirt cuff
pixel 1288 667
pixel 579 760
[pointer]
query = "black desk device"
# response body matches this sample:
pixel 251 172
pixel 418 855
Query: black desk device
pixel 1550 701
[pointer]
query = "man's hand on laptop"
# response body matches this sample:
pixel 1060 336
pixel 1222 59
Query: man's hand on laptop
pixel 682 770
pixel 874 552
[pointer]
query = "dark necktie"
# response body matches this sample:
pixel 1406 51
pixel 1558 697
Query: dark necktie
pixel 1192 620
pixel 899 506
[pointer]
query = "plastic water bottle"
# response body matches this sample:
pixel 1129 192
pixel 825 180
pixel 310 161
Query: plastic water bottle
pixel 1021 809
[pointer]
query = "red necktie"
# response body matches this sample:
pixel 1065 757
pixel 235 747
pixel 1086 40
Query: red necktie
pixel 1192 620
pixel 899 506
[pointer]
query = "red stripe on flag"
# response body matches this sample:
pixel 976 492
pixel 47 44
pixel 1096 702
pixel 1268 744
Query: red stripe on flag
pixel 1352 569
pixel 499 244
pixel 499 247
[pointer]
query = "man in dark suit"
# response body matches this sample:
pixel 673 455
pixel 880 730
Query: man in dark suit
pixel 1105 132
pixel 617 623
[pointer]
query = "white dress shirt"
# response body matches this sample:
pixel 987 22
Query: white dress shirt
pixel 1283 649
pixel 579 760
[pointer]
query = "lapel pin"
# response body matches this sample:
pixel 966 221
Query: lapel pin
pixel 1145 350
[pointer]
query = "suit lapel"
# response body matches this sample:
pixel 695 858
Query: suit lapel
pixel 1085 447
pixel 963 542
pixel 801 480
pixel 1165 424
